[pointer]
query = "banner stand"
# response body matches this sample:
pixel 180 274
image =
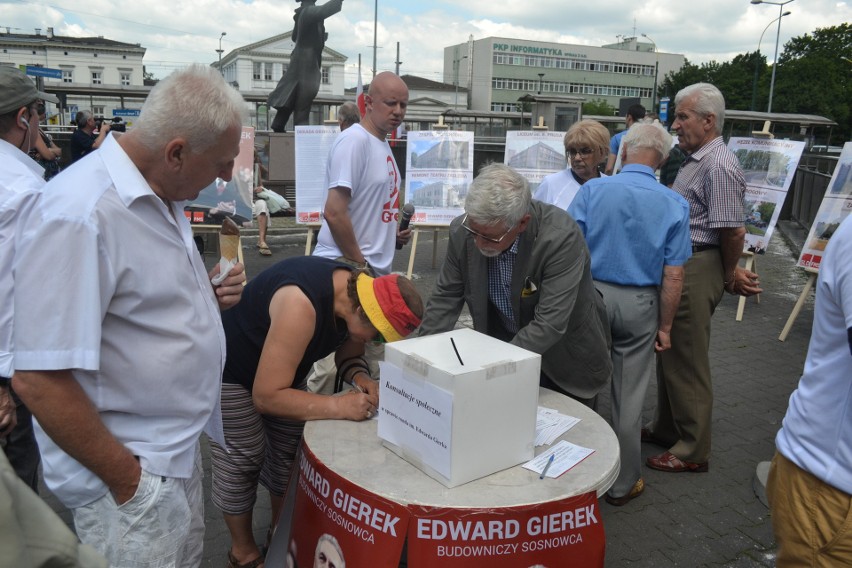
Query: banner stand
pixel 812 276
pixel 750 264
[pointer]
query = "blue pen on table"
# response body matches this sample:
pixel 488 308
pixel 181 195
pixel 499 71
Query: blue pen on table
pixel 547 466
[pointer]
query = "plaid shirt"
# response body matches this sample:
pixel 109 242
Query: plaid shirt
pixel 712 182
pixel 500 284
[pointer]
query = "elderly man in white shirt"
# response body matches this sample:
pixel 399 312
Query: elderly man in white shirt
pixel 119 347
pixel 20 178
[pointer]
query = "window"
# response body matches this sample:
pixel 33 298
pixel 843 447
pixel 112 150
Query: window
pixel 67 75
pixel 125 78
pixel 258 70
pixel 267 71
pixel 325 73
pixel 98 110
pixel 97 78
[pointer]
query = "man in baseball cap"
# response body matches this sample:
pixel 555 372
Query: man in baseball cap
pixel 20 178
pixel 18 90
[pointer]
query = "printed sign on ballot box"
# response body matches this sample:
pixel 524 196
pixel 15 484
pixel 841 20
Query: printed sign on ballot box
pixel 339 521
pixel 561 533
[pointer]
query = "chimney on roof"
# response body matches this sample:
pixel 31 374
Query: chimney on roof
pixel 38 31
pixel 50 33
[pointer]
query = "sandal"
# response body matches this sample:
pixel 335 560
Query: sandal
pixel 264 250
pixel 233 563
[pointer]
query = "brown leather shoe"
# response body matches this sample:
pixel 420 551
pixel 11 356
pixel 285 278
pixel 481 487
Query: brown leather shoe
pixel 673 464
pixel 636 491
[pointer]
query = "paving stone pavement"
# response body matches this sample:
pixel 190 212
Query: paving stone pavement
pixel 690 520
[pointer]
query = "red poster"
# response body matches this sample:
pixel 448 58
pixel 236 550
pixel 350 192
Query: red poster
pixel 562 533
pixel 341 523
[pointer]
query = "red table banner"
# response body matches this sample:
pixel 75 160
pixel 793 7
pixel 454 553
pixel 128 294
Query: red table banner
pixel 561 533
pixel 341 523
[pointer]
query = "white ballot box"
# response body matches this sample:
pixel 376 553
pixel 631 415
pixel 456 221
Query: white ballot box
pixel 459 405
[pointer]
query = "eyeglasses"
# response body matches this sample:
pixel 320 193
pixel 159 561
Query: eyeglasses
pixel 582 151
pixel 483 237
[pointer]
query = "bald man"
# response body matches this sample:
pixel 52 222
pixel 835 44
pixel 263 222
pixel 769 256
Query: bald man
pixel 362 207
pixel 360 219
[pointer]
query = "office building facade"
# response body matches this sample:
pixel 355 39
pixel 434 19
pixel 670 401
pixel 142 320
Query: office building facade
pixel 498 71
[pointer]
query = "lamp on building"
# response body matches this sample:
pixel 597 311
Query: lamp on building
pixel 777 39
pixel 656 73
pixel 456 65
pixel 219 51
pixel 757 60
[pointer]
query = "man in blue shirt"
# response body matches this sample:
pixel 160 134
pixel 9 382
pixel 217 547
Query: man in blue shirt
pixel 638 236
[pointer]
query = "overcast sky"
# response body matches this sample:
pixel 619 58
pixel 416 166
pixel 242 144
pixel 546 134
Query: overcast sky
pixel 176 33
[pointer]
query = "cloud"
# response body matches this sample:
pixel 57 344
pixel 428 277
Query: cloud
pixel 178 33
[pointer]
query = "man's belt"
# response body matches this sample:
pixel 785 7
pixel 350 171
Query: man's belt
pixel 702 248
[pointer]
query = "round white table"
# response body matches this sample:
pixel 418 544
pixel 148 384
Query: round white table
pixel 354 451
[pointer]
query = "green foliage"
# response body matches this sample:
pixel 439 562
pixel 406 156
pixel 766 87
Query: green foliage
pixel 812 77
pixel 734 78
pixel 599 107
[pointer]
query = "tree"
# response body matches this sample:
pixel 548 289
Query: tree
pixel 599 107
pixel 813 77
pixel 734 78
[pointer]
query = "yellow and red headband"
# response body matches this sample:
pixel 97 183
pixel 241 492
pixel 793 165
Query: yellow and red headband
pixel 383 303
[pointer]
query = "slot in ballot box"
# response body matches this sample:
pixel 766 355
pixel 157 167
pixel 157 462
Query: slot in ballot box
pixel 459 405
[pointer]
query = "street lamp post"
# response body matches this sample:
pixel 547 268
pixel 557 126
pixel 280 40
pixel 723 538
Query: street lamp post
pixel 777 39
pixel 757 62
pixel 656 73
pixel 219 51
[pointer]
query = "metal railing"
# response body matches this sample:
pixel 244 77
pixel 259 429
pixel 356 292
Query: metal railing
pixel 808 188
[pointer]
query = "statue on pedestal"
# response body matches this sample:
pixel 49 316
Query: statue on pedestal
pixel 297 88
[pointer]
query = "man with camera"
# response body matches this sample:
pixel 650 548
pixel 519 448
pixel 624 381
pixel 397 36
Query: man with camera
pixel 84 140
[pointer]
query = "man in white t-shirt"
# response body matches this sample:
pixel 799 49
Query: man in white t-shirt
pixel 810 480
pixel 360 218
pixel 361 213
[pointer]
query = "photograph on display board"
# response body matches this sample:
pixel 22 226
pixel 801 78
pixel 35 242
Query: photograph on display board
pixel 835 206
pixel 768 167
pixel 233 198
pixel 313 144
pixel 439 170
pixel 535 154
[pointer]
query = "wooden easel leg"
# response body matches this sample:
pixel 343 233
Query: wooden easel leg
pixel 412 253
pixel 754 268
pixel 749 264
pixel 308 241
pixel 798 307
pixel 434 247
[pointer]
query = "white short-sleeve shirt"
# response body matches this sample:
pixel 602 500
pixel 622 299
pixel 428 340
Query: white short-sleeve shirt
pixel 816 433
pixel 114 289
pixel 20 180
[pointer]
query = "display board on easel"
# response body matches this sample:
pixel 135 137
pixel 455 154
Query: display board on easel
pixel 439 169
pixel 535 154
pixel 768 166
pixel 313 144
pixel 835 206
